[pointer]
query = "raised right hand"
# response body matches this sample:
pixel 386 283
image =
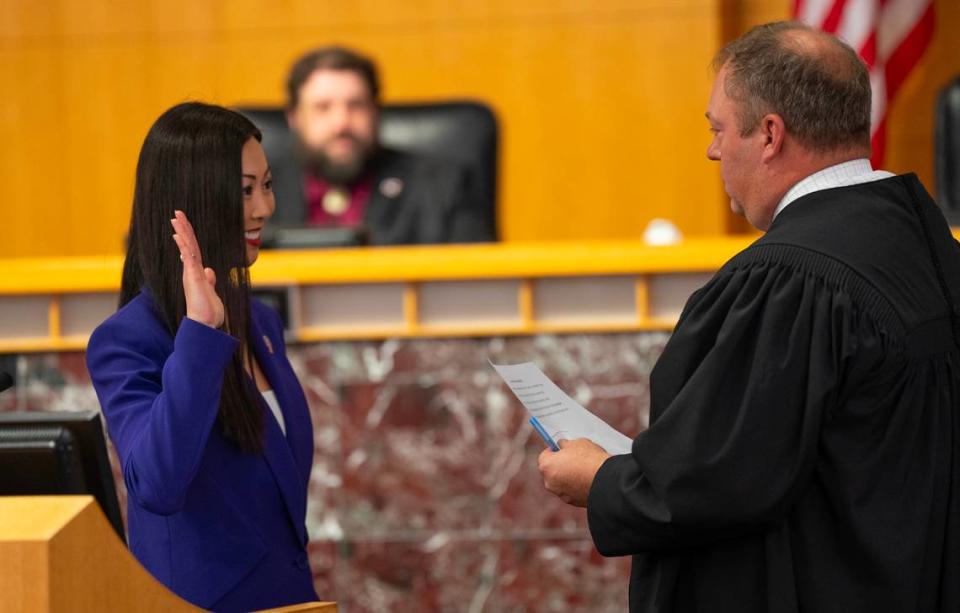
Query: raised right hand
pixel 199 283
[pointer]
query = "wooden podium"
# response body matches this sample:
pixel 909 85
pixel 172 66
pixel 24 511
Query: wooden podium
pixel 58 553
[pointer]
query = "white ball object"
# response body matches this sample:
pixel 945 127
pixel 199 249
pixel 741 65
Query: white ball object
pixel 662 232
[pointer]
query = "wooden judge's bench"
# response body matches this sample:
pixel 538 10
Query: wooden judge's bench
pixel 59 554
pixel 52 304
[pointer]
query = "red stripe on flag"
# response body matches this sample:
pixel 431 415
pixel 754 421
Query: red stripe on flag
pixel 868 52
pixel 832 20
pixel 879 142
pixel 908 52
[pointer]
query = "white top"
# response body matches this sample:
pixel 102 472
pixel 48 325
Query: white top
pixel 274 405
pixel 853 172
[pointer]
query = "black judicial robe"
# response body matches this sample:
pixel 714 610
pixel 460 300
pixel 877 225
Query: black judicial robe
pixel 804 446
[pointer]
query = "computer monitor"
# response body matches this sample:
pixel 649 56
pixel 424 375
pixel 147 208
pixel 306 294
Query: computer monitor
pixel 301 236
pixel 49 453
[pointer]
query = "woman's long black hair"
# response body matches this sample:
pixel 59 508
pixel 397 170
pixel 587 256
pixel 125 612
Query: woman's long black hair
pixel 191 161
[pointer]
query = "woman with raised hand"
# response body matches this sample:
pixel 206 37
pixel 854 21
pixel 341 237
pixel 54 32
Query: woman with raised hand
pixel 209 421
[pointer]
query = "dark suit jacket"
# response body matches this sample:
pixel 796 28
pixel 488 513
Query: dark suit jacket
pixel 436 202
pixel 223 529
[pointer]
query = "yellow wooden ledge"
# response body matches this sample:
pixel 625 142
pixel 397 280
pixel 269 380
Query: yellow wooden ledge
pixel 27 276
pixel 52 304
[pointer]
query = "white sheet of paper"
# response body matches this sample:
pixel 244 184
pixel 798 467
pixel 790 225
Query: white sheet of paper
pixel 560 415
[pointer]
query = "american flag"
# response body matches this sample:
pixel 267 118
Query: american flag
pixel 890 36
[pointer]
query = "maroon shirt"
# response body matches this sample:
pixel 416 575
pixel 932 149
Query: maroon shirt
pixel 316 188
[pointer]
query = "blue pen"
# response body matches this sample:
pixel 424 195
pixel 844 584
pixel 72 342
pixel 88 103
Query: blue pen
pixel 543 434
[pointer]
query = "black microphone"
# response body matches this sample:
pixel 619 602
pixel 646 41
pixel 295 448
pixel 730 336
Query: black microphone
pixel 6 381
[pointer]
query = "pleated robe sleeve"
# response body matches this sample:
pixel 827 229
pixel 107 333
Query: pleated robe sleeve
pixel 738 398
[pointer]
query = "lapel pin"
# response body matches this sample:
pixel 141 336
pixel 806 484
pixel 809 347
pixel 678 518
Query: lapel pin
pixel 391 187
pixel 266 341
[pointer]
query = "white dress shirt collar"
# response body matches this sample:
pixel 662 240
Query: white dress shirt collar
pixel 853 172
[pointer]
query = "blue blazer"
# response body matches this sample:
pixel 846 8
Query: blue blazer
pixel 223 529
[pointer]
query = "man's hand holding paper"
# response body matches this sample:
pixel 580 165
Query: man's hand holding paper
pixel 568 473
pixel 585 440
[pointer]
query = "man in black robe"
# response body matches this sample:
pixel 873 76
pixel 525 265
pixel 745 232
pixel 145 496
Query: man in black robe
pixel 803 452
pixel 342 177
